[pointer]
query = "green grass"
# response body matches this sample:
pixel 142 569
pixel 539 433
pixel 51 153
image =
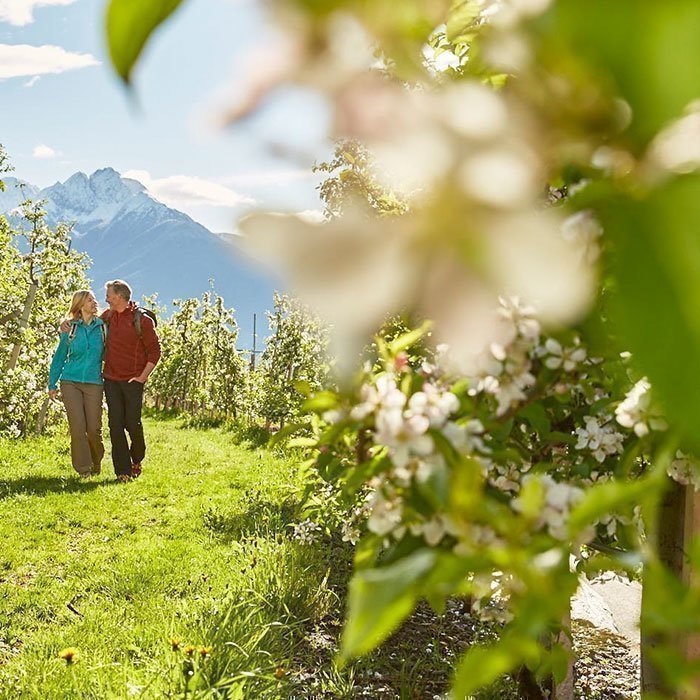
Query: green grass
pixel 117 570
pixel 197 550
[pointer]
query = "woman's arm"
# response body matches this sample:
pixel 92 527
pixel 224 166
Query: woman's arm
pixel 58 362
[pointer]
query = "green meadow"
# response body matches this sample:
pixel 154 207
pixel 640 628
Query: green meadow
pixel 186 583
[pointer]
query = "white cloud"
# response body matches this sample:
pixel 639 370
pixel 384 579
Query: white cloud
pixel 43 151
pixel 182 191
pixel 21 12
pixel 32 81
pixel 19 60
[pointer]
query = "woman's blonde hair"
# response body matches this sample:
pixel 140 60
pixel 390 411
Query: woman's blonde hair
pixel 77 303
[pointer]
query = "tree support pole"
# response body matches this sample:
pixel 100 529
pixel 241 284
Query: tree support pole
pixel 679 522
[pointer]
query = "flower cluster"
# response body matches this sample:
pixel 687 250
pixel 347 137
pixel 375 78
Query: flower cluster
pixel 685 470
pixel 557 501
pixel 599 436
pixel 306 532
pixel 637 412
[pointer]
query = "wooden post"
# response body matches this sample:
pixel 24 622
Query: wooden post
pixel 255 337
pixel 679 518
pixel 691 527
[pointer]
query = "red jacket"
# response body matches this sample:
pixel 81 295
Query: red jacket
pixel 126 354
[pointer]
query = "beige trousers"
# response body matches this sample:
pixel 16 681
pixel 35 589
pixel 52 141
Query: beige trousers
pixel 83 404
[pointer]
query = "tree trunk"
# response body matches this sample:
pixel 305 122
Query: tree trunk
pixel 41 418
pixel 528 687
pixel 565 689
pixel 23 323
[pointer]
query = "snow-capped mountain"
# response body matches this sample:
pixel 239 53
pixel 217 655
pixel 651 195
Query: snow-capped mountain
pixel 130 235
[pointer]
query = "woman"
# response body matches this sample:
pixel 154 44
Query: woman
pixel 77 363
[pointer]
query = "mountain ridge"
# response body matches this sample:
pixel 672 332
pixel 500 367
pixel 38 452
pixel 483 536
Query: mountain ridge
pixel 131 235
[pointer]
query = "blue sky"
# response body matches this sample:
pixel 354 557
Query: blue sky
pixel 82 119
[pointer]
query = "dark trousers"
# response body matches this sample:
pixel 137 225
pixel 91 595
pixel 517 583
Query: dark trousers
pixel 124 403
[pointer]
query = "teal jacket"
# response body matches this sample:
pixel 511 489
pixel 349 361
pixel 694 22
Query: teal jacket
pixel 84 362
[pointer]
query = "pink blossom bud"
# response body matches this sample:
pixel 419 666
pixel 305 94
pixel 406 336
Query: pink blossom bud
pixel 401 362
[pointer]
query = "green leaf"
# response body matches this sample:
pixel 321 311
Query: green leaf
pixel 408 339
pixel 536 416
pixel 466 489
pixel 670 606
pixel 379 599
pixel 531 498
pixel 320 402
pixel 657 264
pixel 130 24
pixel 611 497
pixel 285 432
pixel 461 19
pixel 436 488
pixel 302 442
pixel 303 387
pixel 482 665
pixel 656 69
pixel 358 475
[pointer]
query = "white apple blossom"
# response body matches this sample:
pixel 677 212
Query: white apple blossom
pixel 509 389
pixel 685 470
pixel 506 477
pixel 405 436
pixel 559 498
pixel 566 358
pixel 426 467
pixel 384 395
pixel 386 513
pixel 306 531
pixel 466 437
pixel 521 317
pixel 436 405
pixel 636 412
pixel 599 437
pixel 350 532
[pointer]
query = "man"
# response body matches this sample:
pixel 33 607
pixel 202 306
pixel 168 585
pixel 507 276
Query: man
pixel 132 352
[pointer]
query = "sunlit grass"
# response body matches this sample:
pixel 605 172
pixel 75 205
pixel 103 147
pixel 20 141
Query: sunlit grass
pixel 184 583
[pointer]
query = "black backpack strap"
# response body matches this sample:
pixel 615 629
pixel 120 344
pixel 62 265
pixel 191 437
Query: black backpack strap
pixel 138 313
pixel 71 336
pixel 103 330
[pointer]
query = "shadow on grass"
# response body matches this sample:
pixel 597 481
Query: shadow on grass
pixel 260 519
pixel 42 485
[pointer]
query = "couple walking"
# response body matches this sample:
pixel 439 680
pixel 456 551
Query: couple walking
pixel 125 339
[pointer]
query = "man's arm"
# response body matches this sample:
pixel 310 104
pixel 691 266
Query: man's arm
pixel 141 379
pixel 152 346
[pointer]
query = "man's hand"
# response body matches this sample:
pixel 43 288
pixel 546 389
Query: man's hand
pixel 53 393
pixel 141 379
pixel 65 326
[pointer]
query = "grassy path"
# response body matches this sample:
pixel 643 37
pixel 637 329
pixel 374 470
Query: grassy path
pixel 194 551
pixel 187 584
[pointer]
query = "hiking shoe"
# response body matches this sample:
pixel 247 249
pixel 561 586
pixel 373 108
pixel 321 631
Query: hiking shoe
pixel 124 478
pixel 136 470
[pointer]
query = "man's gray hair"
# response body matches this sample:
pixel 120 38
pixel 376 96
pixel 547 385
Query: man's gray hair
pixel 121 288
